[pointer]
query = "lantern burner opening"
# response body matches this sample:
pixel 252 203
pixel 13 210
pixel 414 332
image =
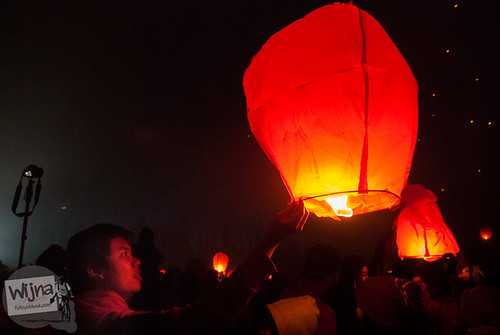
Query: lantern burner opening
pixel 339 205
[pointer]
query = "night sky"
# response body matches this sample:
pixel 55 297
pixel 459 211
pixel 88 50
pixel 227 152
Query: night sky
pixel 137 114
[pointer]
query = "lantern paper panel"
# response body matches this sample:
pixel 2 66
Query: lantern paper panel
pixel 220 261
pixel 421 230
pixel 333 104
pixel 486 232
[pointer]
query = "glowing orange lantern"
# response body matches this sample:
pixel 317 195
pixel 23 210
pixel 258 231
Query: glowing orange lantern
pixel 333 104
pixel 220 261
pixel 421 230
pixel 485 232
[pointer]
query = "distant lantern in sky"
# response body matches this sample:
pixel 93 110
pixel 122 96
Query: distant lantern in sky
pixel 333 104
pixel 485 232
pixel 220 261
pixel 420 229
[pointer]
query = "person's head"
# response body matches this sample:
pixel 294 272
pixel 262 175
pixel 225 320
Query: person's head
pixel 53 258
pixel 363 274
pixel 146 235
pixel 353 269
pixel 391 304
pixel 101 258
pixel 321 261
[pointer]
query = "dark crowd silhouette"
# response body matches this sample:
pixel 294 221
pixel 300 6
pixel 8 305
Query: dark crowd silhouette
pixel 119 289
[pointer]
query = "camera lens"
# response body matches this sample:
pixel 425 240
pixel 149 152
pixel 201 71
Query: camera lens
pixel 33 171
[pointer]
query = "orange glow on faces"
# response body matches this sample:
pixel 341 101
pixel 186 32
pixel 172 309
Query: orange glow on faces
pixel 339 205
pixel 485 232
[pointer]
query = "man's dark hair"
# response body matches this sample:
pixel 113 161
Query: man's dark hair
pixel 88 250
pixel 321 261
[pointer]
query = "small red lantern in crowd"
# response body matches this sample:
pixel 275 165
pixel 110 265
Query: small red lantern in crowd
pixel 485 232
pixel 421 231
pixel 333 104
pixel 220 261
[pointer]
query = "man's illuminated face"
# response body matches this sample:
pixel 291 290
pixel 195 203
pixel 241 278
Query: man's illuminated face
pixel 364 273
pixel 122 273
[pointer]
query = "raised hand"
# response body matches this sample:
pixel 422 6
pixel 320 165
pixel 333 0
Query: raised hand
pixel 288 222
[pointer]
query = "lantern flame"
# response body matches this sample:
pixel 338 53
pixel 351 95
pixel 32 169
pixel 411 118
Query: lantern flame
pixel 339 205
pixel 485 232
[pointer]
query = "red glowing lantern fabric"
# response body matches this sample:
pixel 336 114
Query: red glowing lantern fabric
pixel 220 261
pixel 421 231
pixel 485 232
pixel 333 104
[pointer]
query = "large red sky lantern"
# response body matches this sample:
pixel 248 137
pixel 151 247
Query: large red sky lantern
pixel 420 229
pixel 333 104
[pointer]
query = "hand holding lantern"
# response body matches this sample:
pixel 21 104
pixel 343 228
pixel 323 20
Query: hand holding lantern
pixel 288 222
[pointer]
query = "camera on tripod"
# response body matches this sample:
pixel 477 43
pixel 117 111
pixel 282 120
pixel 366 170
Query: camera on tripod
pixel 33 171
